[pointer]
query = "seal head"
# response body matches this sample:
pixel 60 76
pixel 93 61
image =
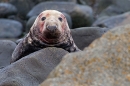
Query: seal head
pixel 51 26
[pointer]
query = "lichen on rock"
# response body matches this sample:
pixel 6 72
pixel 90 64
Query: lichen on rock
pixel 105 62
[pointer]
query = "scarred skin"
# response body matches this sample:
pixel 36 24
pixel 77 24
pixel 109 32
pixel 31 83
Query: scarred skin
pixel 50 29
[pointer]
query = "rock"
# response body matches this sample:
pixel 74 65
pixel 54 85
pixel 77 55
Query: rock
pixel 122 4
pixel 101 5
pixel 4 1
pixel 7 9
pixel 111 10
pixel 84 36
pixel 99 20
pixel 39 1
pixel 113 21
pixel 17 18
pixel 6 49
pixel 10 39
pixel 30 23
pixel 97 5
pixel 23 6
pixel 106 62
pixel 117 7
pixel 10 28
pixel 69 20
pixel 32 69
pixel 82 15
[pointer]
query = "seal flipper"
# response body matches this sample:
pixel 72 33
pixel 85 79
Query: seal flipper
pixel 21 50
pixel 73 48
pixel 69 46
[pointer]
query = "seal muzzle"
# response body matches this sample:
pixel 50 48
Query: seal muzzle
pixel 52 28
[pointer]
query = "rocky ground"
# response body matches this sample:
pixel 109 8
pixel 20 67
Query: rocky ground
pixel 99 27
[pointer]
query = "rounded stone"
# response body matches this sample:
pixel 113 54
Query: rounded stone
pixel 7 9
pixel 10 28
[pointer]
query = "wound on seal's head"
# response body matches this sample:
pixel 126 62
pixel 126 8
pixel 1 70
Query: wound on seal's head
pixel 52 24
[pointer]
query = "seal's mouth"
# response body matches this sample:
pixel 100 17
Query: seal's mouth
pixel 52 38
pixel 52 32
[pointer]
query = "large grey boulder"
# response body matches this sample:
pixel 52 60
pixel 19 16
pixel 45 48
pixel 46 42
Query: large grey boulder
pixel 30 23
pixel 84 36
pixel 10 28
pixel 39 1
pixel 69 19
pixel 114 21
pixel 122 4
pixel 97 5
pixel 111 10
pixel 6 49
pixel 117 7
pixel 82 15
pixel 106 62
pixel 7 9
pixel 32 69
pixel 23 6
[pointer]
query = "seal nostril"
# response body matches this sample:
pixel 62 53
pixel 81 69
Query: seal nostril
pixel 51 28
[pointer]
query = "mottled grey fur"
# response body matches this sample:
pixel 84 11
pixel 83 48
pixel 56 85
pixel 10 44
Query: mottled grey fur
pixel 31 43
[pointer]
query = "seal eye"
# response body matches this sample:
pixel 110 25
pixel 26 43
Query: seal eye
pixel 60 19
pixel 43 18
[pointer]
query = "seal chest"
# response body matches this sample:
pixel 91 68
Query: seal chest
pixel 49 29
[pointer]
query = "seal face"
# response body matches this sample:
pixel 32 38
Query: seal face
pixel 50 29
pixel 50 26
